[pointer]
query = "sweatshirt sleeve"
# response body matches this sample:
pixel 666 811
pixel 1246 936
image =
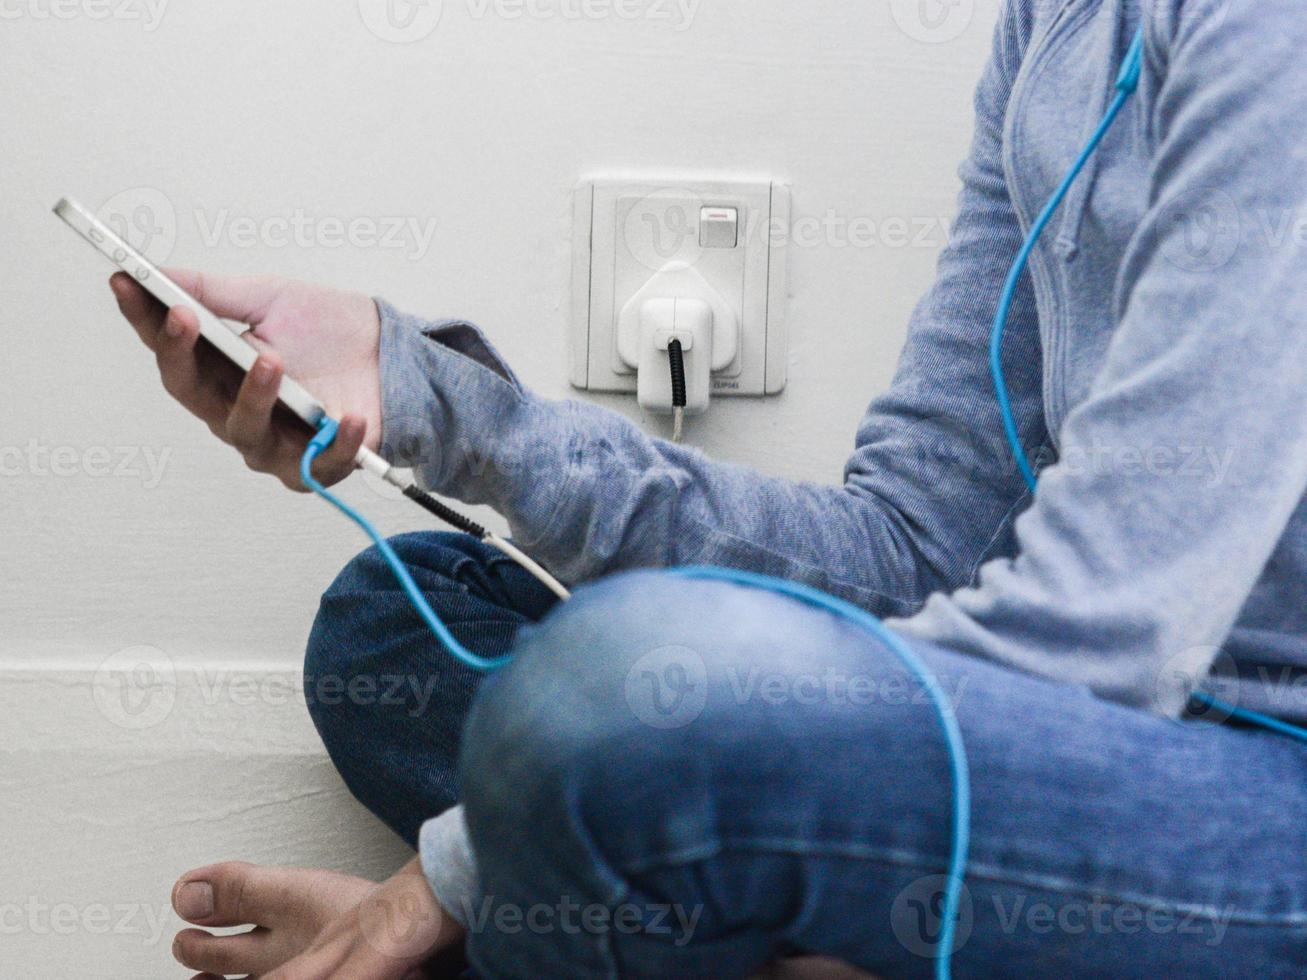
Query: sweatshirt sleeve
pixel 449 865
pixel 923 500
pixel 1129 576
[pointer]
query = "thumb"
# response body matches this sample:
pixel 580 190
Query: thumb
pixel 246 299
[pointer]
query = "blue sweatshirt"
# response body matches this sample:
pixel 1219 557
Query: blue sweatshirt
pixel 1157 357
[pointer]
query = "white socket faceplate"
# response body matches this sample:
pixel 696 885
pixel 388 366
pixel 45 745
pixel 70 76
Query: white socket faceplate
pixel 627 230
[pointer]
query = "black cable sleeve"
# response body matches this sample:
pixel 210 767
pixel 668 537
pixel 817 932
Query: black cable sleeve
pixel 676 358
pixel 451 517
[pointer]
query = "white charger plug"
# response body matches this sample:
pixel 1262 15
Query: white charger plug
pixel 663 320
pixel 677 303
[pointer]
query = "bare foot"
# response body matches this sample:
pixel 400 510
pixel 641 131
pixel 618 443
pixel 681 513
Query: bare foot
pixel 288 907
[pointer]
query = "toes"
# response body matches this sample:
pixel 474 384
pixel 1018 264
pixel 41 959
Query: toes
pixel 227 894
pixel 193 900
pixel 219 956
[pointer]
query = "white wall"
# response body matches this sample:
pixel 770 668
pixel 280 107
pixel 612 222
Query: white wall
pixel 242 109
pixel 101 809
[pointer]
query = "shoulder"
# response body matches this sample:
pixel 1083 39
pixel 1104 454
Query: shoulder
pixel 1247 30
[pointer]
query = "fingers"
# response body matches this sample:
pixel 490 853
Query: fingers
pixel 174 349
pixel 249 424
pixel 269 446
pixel 199 390
pixel 248 420
pixel 173 336
pixel 337 460
pixel 335 463
pixel 143 311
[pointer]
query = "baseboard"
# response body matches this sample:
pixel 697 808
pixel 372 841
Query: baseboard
pixel 116 777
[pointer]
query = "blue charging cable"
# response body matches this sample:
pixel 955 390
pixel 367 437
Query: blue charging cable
pixel 957 752
pixel 1127 83
pixel 1250 717
pixel 325 436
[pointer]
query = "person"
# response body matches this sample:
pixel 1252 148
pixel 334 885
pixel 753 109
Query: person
pixel 696 779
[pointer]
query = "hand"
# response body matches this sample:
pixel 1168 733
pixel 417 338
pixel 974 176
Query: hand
pixel 327 339
pixel 387 936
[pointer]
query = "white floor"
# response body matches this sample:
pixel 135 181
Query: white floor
pixel 115 780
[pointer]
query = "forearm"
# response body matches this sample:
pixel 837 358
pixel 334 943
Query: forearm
pixel 589 493
pixel 923 503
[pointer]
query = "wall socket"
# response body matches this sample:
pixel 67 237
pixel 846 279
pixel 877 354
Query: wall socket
pixel 731 232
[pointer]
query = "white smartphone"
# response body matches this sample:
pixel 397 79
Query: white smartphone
pixel 216 331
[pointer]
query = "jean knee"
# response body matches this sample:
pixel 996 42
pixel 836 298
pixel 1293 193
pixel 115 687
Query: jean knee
pixel 635 699
pixel 342 621
pixel 544 717
pixel 353 632
pixel 617 695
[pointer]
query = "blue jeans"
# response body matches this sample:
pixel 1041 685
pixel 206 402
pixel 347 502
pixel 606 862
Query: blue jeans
pixel 680 778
